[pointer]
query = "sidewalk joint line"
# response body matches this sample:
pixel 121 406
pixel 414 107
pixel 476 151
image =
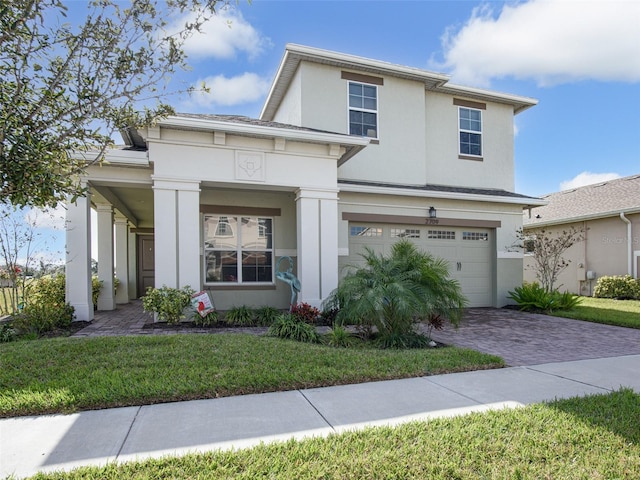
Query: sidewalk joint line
pixel 126 437
pixel 318 411
pixel 570 379
pixel 428 379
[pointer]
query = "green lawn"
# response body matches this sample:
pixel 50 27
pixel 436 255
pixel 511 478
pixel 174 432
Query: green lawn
pixel 69 374
pixel 623 313
pixel 594 437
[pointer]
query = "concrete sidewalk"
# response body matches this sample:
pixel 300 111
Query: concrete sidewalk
pixel 62 442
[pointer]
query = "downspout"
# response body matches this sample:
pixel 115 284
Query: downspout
pixel 629 244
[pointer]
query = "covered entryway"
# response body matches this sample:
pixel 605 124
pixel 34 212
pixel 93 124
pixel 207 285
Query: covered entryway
pixel 468 250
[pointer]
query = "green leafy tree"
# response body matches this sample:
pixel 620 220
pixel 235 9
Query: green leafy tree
pixel 396 292
pixel 67 88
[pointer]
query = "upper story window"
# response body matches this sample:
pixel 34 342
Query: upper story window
pixel 470 123
pixel 363 110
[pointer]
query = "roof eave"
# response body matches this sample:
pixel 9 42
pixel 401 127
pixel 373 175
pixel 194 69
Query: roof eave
pixel 582 218
pixel 525 202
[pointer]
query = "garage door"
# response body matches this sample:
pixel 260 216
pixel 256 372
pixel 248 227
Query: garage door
pixel 468 251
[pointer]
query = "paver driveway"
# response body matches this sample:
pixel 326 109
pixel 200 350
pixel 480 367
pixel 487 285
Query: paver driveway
pixel 530 339
pixel 518 337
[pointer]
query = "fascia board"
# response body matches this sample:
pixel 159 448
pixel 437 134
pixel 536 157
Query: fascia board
pixel 262 131
pixel 519 103
pixel 116 157
pixel 582 218
pixel 525 202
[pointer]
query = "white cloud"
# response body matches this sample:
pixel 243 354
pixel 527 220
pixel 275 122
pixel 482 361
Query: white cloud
pixel 549 41
pixel 226 34
pixel 223 91
pixel 49 218
pixel 587 178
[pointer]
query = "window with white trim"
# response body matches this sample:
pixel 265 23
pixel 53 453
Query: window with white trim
pixel 238 249
pixel 475 236
pixel 405 233
pixel 363 109
pixel 365 231
pixel 441 234
pixel 470 124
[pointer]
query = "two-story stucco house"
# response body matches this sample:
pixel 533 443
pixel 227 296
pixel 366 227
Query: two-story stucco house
pixel 348 153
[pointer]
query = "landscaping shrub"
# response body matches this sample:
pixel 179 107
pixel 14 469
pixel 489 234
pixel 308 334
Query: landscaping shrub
pixel 7 333
pixel 39 318
pixel 242 316
pixel 265 316
pixel 305 313
pixel 338 336
pixel 621 287
pixel 396 292
pixel 168 303
pixel 532 297
pixel 402 340
pixel 208 319
pixel 51 290
pixel 290 327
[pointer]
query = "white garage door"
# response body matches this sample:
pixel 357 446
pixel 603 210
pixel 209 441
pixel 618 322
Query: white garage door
pixel 468 251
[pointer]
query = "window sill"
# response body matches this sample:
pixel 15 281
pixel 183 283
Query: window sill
pixel 470 157
pixel 240 286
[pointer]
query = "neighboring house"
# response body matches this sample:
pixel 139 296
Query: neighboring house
pixel 609 214
pixel 348 153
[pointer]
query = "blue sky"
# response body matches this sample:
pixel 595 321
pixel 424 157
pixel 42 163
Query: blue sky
pixel 580 59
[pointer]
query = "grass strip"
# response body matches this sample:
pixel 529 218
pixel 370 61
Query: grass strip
pixel 621 313
pixel 62 375
pixel 594 437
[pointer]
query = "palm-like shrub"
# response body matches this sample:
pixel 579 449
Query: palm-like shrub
pixel 394 293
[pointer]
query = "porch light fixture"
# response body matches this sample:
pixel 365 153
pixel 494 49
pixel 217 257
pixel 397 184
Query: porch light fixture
pixel 432 212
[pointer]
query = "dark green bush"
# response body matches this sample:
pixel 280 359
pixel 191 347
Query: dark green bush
pixel 265 316
pixel 622 287
pixel 242 316
pixel 290 327
pixel 532 297
pixel 7 333
pixel 402 340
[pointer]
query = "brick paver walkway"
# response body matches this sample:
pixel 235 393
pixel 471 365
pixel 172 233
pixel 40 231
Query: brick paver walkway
pixel 529 339
pixel 519 338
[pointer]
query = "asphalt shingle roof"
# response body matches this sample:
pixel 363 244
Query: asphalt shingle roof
pixel 441 188
pixel 610 197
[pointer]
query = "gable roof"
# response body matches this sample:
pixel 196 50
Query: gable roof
pixel 604 199
pixel 294 54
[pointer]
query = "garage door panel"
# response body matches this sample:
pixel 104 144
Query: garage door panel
pixel 467 252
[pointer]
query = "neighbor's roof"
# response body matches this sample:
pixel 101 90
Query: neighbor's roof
pixel 604 199
pixel 439 82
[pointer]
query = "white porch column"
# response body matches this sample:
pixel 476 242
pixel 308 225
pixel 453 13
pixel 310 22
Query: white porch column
pixel 78 257
pixel 177 232
pixel 133 269
pixel 122 259
pixel 106 300
pixel 317 239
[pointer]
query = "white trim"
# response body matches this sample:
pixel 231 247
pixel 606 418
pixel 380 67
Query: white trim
pixel 445 195
pixel 318 193
pixel 162 183
pixel 265 131
pixel 473 132
pixel 363 110
pixel 343 252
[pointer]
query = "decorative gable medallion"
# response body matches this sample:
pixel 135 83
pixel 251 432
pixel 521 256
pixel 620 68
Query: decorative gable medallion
pixel 250 166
